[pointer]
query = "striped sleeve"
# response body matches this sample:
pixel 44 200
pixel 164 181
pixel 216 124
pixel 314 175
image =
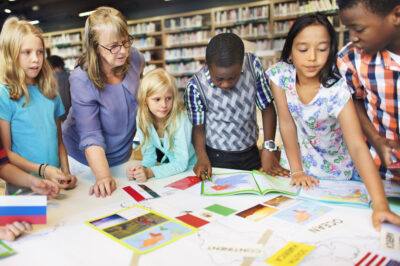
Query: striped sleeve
pixel 346 64
pixel 194 103
pixel 263 96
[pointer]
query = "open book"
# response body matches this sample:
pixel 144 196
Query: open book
pixel 246 182
pixel 330 191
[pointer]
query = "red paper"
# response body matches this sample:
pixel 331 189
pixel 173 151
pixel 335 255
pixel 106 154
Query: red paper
pixel 133 193
pixel 192 220
pixel 185 183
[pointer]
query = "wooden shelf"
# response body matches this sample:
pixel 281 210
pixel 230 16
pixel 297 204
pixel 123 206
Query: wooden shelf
pixel 155 62
pixel 150 48
pixel 186 45
pixel 245 13
pixel 189 59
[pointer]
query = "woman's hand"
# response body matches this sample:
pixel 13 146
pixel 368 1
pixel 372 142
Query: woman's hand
pixel 103 187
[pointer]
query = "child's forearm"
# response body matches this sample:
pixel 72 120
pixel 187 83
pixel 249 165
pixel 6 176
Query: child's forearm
pixel 62 153
pixel 13 175
pixel 22 163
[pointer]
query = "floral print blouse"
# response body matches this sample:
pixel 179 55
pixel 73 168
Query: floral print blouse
pixel 323 151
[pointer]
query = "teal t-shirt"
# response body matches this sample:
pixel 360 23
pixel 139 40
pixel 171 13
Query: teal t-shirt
pixel 33 127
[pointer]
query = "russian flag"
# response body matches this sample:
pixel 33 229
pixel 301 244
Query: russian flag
pixel 32 209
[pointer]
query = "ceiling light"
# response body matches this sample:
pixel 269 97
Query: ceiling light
pixel 33 22
pixel 85 14
pixel 11 0
pixel 35 8
pixel 8 11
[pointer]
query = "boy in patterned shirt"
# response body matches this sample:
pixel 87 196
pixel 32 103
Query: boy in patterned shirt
pixel 221 101
pixel 370 64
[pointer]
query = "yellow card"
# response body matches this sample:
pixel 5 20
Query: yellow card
pixel 291 254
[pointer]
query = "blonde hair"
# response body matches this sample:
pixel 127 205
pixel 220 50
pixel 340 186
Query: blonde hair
pixel 100 18
pixel 11 73
pixel 154 81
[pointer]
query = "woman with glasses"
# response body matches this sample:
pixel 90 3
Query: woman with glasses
pixel 100 128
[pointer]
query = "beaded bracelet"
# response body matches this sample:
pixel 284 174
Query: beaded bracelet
pixel 40 169
pixel 296 172
pixel 43 170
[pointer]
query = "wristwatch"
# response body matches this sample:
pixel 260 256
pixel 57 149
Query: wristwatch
pixel 269 145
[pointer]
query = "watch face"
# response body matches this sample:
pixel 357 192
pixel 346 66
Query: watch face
pixel 271 145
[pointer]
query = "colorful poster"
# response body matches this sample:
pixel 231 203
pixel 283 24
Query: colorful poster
pixel 281 202
pixel 351 192
pixel 303 213
pixel 257 212
pixel 140 229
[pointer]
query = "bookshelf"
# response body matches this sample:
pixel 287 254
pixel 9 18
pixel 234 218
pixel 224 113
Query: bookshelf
pixel 66 44
pixel 177 42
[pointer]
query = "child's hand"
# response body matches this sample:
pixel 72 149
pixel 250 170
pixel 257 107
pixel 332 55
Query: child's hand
pixel 70 181
pixel 139 174
pixel 57 176
pixel 202 167
pixel 45 187
pixel 11 231
pixel 384 214
pixel 129 172
pixel 384 147
pixel 306 181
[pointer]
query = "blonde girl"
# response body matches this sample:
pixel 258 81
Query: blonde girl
pixel 164 130
pixel 30 106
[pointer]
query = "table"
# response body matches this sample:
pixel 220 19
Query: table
pixel 67 240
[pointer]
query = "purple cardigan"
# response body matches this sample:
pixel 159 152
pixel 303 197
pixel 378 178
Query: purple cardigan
pixel 105 117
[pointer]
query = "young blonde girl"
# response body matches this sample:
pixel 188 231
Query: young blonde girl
pixel 30 106
pixel 317 119
pixel 162 126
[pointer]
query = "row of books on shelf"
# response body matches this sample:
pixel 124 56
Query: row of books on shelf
pixel 67 51
pixel 241 14
pixel 64 39
pixel 183 22
pixel 144 42
pixel 295 8
pixel 188 37
pixel 187 68
pixel 143 28
pixel 181 82
pixel 281 27
pixel 270 44
pixel 248 30
pixel 184 53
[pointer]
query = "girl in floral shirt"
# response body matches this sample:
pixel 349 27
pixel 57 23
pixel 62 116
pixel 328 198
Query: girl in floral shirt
pixel 319 125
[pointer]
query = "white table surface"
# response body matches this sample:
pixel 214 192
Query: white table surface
pixel 67 240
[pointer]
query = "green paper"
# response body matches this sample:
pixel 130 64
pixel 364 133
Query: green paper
pixel 5 250
pixel 225 211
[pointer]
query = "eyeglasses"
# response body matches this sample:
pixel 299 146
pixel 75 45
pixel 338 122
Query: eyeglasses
pixel 115 48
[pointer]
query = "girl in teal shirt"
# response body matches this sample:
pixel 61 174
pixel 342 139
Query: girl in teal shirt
pixel 30 106
pixel 162 126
